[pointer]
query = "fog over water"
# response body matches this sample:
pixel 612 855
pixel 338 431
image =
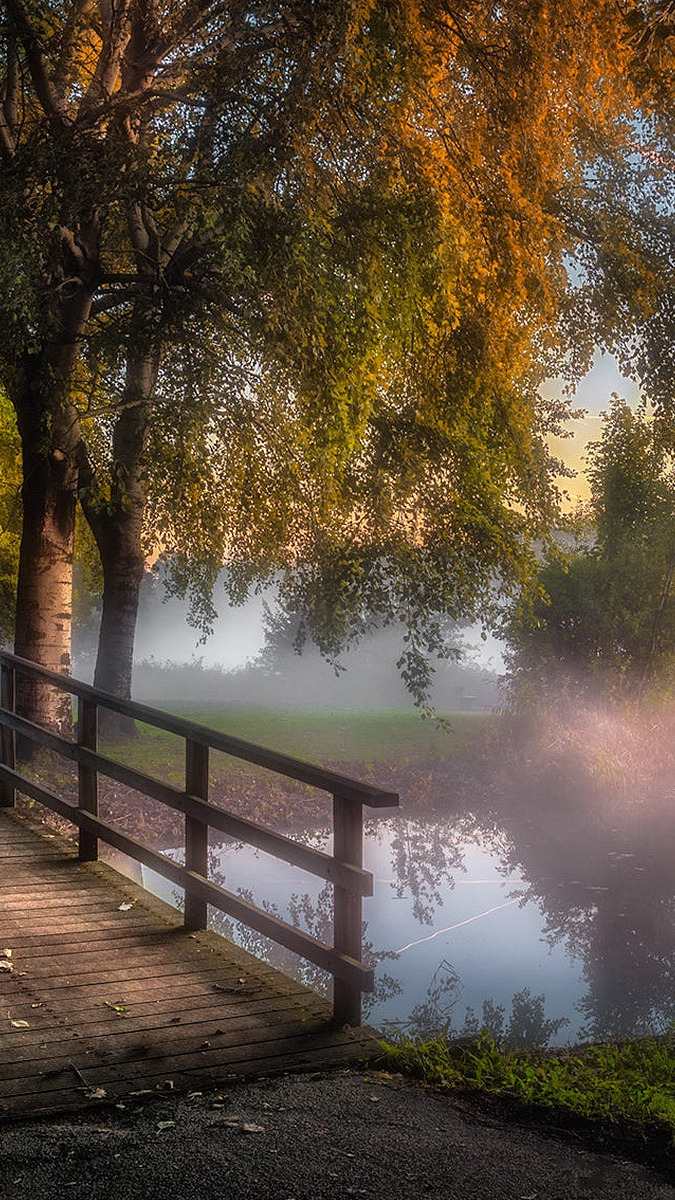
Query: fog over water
pixel 525 885
pixel 531 892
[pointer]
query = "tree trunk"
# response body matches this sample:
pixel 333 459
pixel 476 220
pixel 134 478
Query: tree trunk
pixel 123 566
pixel 123 563
pixel 49 428
pixel 117 525
pixel 44 589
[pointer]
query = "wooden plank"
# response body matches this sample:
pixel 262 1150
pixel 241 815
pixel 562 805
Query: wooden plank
pixel 107 1048
pixel 213 1013
pixel 272 1040
pixel 73 1099
pixel 78 950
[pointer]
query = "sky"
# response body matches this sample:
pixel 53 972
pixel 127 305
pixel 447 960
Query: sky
pixel 593 395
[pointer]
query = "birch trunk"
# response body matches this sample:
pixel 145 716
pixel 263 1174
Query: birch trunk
pixel 44 590
pixel 50 441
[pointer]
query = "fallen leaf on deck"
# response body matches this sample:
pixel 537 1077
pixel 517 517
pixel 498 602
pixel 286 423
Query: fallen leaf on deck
pixel 96 1093
pixel 6 966
pixel 126 906
pixel 165 1124
pixel 5 953
pixel 20 1024
pixel 116 1007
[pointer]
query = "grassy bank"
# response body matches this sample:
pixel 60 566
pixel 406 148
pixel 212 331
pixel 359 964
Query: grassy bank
pixel 398 737
pixel 623 1093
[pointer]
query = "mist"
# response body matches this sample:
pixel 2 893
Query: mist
pixel 226 669
pixel 528 870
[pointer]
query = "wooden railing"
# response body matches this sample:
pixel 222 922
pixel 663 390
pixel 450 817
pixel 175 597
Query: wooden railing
pixel 343 868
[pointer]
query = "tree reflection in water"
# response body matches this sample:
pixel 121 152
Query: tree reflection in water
pixel 586 800
pixel 316 918
pixel 425 855
pixel 438 1015
pixel 589 829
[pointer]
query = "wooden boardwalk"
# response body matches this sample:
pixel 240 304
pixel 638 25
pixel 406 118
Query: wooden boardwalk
pixel 98 1001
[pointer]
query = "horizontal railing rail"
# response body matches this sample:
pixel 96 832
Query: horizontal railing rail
pixel 343 868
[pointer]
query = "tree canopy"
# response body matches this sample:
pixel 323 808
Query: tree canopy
pixel 281 279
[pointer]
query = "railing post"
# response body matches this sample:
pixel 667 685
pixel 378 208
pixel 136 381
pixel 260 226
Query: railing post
pixel 196 832
pixel 87 777
pixel 8 698
pixel 347 908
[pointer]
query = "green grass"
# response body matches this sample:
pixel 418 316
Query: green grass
pixel 627 1088
pixel 368 737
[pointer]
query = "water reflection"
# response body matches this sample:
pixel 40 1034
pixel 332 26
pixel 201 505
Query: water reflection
pixel 603 877
pixel 540 920
pixel 445 929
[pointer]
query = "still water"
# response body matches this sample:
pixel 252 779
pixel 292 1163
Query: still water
pixel 469 928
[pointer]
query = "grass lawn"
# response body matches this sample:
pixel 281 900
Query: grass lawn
pixel 364 738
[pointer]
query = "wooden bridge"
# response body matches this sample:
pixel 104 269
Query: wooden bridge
pixel 106 991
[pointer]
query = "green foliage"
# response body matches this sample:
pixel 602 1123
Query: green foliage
pixel 630 1083
pixel 326 248
pixel 10 515
pixel 600 612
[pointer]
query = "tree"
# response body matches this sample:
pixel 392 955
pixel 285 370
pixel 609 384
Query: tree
pixel 600 615
pixel 10 516
pixel 359 201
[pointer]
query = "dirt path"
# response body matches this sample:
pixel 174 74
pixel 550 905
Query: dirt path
pixel 324 1137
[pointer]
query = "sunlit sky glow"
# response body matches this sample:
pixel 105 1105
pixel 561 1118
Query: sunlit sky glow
pixel 593 395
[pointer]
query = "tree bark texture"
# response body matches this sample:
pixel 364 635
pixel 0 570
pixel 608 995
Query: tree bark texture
pixel 50 442
pixel 117 525
pixel 44 590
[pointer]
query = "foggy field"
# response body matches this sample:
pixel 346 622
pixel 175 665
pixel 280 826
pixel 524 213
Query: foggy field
pixel 397 750
pixel 366 737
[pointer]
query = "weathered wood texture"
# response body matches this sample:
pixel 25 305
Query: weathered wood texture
pixel 200 1011
pixel 345 870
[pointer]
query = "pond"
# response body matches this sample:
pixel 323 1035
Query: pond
pixel 471 926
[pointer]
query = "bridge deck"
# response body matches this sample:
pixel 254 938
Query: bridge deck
pixel 100 1001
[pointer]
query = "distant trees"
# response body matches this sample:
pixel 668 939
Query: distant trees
pixel 600 613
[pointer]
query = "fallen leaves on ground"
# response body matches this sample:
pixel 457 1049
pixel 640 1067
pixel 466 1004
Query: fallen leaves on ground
pixel 117 1006
pixel 237 1123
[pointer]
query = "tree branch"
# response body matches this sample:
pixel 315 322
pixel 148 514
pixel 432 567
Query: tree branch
pixel 115 35
pixel 11 89
pixel 45 90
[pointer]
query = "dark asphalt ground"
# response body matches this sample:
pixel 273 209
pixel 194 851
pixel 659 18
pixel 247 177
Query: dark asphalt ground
pixel 308 1138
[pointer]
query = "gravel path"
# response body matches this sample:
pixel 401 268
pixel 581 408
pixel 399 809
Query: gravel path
pixel 325 1137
